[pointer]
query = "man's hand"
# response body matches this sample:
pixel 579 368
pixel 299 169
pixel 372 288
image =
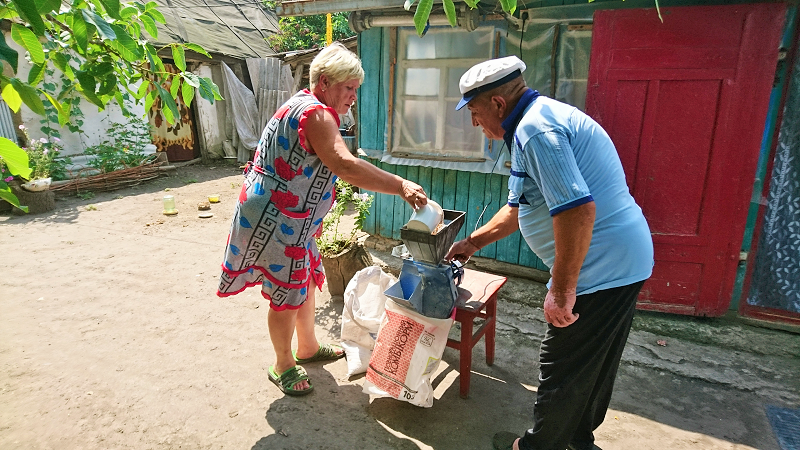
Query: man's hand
pixel 461 251
pixel 558 308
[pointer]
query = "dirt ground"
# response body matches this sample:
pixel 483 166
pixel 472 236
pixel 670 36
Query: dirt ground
pixel 112 337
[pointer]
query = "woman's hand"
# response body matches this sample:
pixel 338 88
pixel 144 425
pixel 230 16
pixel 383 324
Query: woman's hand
pixel 413 194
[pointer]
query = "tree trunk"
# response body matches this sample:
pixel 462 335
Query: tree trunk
pixel 37 202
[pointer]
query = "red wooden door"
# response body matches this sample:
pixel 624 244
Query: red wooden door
pixel 685 102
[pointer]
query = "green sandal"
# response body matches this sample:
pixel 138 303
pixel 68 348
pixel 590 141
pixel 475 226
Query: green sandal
pixel 326 352
pixel 288 379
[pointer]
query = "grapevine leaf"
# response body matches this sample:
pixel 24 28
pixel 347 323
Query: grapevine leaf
pixel 127 12
pixel 8 54
pixel 149 25
pixel 79 31
pixel 168 103
pixel 421 15
pixel 192 79
pixel 36 74
pixel 29 96
pixel 209 90
pixel 16 159
pixel 179 56
pixel 187 91
pixel 142 89
pixel 174 86
pixel 450 12
pixel 148 101
pixel 6 195
pixel 156 15
pixel 124 43
pixel 25 38
pixel 11 97
pixel 103 28
pixel 198 49
pixel 27 11
pixel 46 6
pixel 112 8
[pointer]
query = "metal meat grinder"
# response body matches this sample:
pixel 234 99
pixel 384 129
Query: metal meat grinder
pixel 427 283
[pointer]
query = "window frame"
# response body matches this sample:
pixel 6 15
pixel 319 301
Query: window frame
pixel 400 64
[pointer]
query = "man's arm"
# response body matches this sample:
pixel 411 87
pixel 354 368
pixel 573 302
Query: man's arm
pixel 572 230
pixel 502 224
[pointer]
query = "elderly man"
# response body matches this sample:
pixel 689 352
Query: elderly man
pixel 569 199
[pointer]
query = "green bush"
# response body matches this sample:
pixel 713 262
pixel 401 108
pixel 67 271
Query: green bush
pixel 123 149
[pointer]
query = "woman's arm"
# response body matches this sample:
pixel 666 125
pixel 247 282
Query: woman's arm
pixel 322 134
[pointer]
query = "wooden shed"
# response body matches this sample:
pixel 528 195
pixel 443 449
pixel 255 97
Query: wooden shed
pixel 691 94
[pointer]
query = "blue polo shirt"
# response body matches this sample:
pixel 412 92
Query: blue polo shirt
pixel 561 158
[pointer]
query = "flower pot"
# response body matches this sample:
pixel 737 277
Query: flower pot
pixel 339 269
pixel 37 185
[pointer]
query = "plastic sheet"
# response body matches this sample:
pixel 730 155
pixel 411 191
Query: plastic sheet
pixel 245 111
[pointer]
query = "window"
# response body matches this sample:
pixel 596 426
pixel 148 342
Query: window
pixel 572 64
pixel 425 123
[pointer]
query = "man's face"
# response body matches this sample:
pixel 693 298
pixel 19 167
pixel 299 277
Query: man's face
pixel 487 114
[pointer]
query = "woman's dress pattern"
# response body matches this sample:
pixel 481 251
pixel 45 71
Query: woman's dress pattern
pixel 286 192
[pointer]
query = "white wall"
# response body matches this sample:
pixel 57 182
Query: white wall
pixel 95 123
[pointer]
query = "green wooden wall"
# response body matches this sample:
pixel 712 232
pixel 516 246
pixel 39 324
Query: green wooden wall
pixel 452 189
pixel 455 190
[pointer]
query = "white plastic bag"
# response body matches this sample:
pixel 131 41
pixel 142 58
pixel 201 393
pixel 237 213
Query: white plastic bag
pixel 406 354
pixel 362 315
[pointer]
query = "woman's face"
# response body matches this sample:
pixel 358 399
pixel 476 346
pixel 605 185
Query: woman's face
pixel 339 96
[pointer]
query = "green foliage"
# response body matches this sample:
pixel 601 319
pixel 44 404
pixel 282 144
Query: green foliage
pixel 42 155
pixel 333 242
pixel 100 47
pixel 424 7
pixel 307 32
pixel 123 149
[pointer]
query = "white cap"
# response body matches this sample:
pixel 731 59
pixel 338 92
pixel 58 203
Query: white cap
pixel 488 75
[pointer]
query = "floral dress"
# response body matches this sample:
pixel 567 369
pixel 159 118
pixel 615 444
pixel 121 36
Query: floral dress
pixel 286 192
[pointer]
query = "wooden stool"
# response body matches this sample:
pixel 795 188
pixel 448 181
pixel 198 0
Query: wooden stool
pixel 477 297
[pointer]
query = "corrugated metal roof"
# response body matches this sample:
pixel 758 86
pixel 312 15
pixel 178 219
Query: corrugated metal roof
pixel 236 28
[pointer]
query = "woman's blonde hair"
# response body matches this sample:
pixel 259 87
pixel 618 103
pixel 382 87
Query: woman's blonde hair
pixel 337 63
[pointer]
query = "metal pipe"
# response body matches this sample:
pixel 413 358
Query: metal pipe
pixel 360 20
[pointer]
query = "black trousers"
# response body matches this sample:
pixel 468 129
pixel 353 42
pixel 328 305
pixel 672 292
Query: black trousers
pixel 578 367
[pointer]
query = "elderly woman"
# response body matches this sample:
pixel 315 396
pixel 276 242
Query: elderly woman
pixel 288 189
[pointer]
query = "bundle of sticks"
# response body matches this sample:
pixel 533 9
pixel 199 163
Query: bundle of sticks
pixel 110 181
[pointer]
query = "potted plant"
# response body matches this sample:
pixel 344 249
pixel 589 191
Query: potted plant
pixel 342 255
pixel 42 154
pixel 33 191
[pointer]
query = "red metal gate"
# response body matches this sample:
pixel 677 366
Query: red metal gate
pixel 685 102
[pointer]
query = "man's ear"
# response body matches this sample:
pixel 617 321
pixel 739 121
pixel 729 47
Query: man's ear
pixel 499 105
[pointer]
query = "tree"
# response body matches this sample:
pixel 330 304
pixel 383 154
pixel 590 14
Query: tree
pixel 424 8
pixel 306 32
pixel 101 48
